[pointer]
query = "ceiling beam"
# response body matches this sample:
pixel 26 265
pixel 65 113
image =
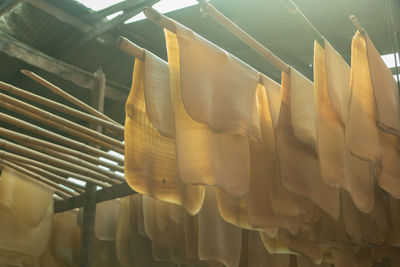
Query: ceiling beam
pixel 112 192
pixel 34 57
pixel 104 26
pixel 125 5
pixel 60 15
pixel 95 30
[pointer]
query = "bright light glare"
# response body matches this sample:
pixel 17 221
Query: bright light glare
pixel 395 77
pixel 108 161
pixel 389 60
pixel 110 17
pixel 119 173
pixel 165 6
pixel 76 181
pixel 112 152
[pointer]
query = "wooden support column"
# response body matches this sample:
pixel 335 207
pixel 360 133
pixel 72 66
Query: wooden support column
pixel 89 210
pixel 89 214
pixel 98 96
pixel 292 260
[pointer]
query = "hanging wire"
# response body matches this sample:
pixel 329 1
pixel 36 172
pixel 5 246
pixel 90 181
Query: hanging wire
pixel 395 46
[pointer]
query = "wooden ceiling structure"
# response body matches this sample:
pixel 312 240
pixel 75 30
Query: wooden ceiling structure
pixel 66 42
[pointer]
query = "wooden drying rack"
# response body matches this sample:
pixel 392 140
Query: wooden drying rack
pixel 59 158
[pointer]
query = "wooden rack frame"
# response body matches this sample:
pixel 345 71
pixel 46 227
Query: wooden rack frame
pixel 112 188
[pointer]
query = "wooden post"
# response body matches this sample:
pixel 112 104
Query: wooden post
pixel 89 214
pixel 89 210
pixel 99 95
pixel 292 260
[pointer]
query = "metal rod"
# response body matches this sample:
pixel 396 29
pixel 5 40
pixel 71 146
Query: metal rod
pixel 29 140
pixel 208 9
pixel 293 9
pixel 17 158
pixel 57 119
pixel 67 96
pixel 62 192
pixel 130 48
pixel 54 161
pixel 56 137
pixel 60 107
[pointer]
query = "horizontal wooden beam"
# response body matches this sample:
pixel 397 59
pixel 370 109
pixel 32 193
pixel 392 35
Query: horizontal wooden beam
pixel 113 192
pixel 34 57
pixel 103 27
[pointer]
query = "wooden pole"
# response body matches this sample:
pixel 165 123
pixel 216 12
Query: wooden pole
pixel 244 36
pixel 98 97
pixel 76 161
pixel 57 198
pixel 60 107
pixel 62 192
pixel 54 161
pixel 357 24
pixel 67 96
pixel 59 126
pixel 57 119
pixel 54 177
pixel 159 19
pixel 130 48
pixel 28 140
pixel 20 159
pixel 56 137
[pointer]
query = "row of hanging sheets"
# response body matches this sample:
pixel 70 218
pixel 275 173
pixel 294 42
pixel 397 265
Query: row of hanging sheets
pixel 33 236
pixel 316 163
pixel 143 231
pixel 134 231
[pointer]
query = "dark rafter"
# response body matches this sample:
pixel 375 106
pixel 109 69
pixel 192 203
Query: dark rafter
pixel 101 14
pixel 32 56
pixel 103 27
pixel 113 192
